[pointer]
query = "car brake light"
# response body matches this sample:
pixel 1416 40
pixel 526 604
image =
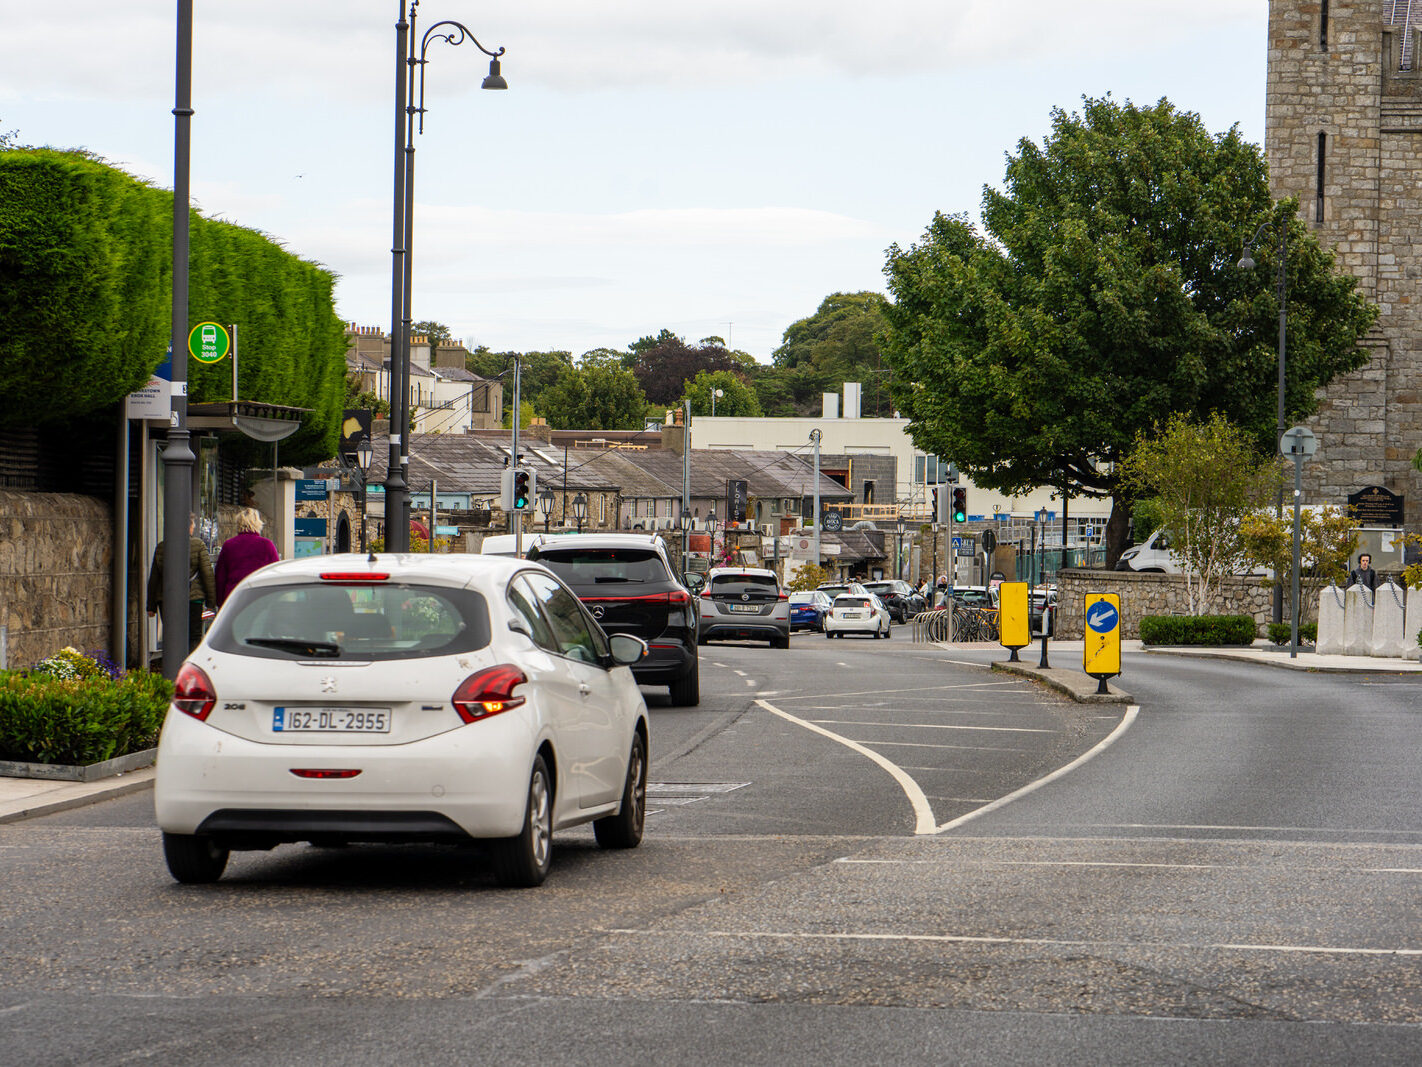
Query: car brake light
pixel 353 576
pixel 678 596
pixel 305 772
pixel 193 692
pixel 488 692
pixel 783 596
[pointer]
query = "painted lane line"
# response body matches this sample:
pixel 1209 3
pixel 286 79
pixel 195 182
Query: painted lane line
pixel 966 686
pixel 960 748
pixel 968 939
pixel 935 726
pixel 1126 720
pixel 923 812
pixel 1228 826
pixel 1167 866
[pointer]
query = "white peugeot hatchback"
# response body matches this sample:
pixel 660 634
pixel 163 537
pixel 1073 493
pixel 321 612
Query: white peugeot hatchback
pixel 425 698
pixel 858 613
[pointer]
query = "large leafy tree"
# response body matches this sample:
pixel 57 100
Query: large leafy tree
pixel 1101 295
pixel 837 344
pixel 537 371
pixel 665 365
pixel 599 394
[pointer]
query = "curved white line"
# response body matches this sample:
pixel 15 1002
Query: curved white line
pixel 1030 787
pixel 923 812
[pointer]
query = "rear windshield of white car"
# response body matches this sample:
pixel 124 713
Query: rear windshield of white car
pixel 763 585
pixel 366 621
pixel 603 566
pixel 880 588
pixel 803 598
pixel 851 602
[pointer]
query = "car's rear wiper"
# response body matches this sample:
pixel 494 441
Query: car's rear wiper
pixel 300 646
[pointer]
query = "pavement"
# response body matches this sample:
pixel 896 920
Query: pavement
pixel 23 798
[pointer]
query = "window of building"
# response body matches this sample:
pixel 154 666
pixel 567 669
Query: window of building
pixel 1318 191
pixel 1323 26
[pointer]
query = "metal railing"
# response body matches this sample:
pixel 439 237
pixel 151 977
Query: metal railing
pixel 961 622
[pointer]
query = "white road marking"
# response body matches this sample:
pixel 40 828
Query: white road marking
pixel 936 726
pixel 969 939
pixel 969 686
pixel 924 821
pixel 963 748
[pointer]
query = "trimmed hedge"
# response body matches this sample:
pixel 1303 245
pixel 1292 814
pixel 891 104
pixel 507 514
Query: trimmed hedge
pixel 86 303
pixel 1281 633
pixel 1198 629
pixel 80 720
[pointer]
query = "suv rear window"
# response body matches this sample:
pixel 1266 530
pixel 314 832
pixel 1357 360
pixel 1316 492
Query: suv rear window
pixel 736 584
pixel 851 602
pixel 585 566
pixel 362 622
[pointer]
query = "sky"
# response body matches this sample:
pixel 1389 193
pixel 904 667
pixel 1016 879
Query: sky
pixel 710 169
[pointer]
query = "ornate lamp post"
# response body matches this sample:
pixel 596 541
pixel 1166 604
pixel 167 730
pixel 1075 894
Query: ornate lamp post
pixel 580 510
pixel 687 521
pixel 364 453
pixel 715 393
pixel 1246 262
pixel 1042 541
pixel 397 485
pixel 901 524
pixel 545 505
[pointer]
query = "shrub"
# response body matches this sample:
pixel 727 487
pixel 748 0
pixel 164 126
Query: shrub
pixel 1198 630
pixel 79 720
pixel 1281 633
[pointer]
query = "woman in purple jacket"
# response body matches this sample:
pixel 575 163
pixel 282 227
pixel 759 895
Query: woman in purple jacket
pixel 243 552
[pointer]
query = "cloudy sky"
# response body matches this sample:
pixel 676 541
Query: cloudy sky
pixel 712 169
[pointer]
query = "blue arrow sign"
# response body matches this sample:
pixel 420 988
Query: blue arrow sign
pixel 1102 618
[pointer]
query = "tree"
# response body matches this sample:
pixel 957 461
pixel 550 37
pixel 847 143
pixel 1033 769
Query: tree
pixel 437 332
pixel 806 577
pixel 599 395
pixel 665 366
pixel 1327 539
pixel 1206 479
pixel 1102 293
pixel 837 344
pixel 537 371
pixel 738 398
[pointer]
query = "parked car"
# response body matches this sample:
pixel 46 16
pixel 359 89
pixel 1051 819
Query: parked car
pixel 899 597
pixel 858 613
pixel 1037 602
pixel 808 610
pixel 834 589
pixel 628 583
pixel 975 596
pixel 744 603
pixel 425 698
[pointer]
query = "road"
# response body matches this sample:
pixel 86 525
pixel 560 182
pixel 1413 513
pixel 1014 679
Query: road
pixel 1233 876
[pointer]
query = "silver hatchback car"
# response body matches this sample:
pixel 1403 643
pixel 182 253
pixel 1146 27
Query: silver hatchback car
pixel 744 603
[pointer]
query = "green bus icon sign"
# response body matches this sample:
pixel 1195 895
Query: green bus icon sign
pixel 208 342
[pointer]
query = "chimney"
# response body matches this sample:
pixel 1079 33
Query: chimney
pixel 831 405
pixel 851 400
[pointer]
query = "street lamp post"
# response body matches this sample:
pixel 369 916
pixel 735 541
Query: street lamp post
pixel 545 505
pixel 715 393
pixel 1042 517
pixel 711 527
pixel 364 454
pixel 1042 573
pixel 1246 262
pixel 686 524
pixel 580 510
pixel 900 523
pixel 397 484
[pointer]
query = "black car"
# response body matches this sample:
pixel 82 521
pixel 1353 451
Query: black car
pixel 629 585
pixel 899 597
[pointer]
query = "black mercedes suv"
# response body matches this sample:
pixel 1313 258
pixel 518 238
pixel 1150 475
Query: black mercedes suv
pixel 630 586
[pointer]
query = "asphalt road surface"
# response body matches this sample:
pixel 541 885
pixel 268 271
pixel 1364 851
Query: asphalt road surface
pixel 1229 872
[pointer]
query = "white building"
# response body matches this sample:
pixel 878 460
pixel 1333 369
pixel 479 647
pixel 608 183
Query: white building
pixel 918 473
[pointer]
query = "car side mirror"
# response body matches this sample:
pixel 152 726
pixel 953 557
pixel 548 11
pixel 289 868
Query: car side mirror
pixel 626 648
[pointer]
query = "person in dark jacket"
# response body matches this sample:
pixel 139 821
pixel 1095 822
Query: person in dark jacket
pixel 202 586
pixel 242 553
pixel 1363 574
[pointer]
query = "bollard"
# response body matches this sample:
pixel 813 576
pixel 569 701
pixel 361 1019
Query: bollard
pixel 1358 621
pixel 1388 613
pixel 1330 622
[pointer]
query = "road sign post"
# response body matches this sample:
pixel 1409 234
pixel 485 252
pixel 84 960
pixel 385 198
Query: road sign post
pixel 209 342
pixel 1014 623
pixel 1101 652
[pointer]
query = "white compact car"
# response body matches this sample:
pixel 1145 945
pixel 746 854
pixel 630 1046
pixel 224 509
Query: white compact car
pixel 858 613
pixel 426 698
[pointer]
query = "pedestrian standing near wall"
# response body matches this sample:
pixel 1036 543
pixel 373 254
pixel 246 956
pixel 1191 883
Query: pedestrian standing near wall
pixel 1363 574
pixel 202 586
pixel 242 553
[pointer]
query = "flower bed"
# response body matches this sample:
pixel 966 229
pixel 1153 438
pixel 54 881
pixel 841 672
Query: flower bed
pixel 79 710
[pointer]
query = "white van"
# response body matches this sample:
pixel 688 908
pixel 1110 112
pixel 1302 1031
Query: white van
pixel 504 544
pixel 1153 555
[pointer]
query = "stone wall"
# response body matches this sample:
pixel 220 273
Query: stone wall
pixel 1152 594
pixel 56 566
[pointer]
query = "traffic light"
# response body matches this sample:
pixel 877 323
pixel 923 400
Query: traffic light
pixel 940 505
pixel 960 504
pixel 523 489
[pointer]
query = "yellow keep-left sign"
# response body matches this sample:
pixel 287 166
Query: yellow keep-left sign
pixel 1013 616
pixel 1101 652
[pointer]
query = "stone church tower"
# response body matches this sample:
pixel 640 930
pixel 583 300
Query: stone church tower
pixel 1343 133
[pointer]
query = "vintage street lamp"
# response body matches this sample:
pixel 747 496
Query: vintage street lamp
pixel 364 454
pixel 1246 262
pixel 580 509
pixel 715 394
pixel 397 484
pixel 900 524
pixel 545 505
pixel 1042 517
pixel 711 526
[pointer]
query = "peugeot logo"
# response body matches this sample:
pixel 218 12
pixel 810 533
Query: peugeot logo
pixel 598 611
pixel 328 685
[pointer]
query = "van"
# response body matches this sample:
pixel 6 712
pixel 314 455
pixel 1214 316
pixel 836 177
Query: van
pixel 1153 555
pixel 504 544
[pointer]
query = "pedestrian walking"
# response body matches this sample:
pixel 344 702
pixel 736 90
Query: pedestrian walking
pixel 242 553
pixel 1363 574
pixel 202 586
